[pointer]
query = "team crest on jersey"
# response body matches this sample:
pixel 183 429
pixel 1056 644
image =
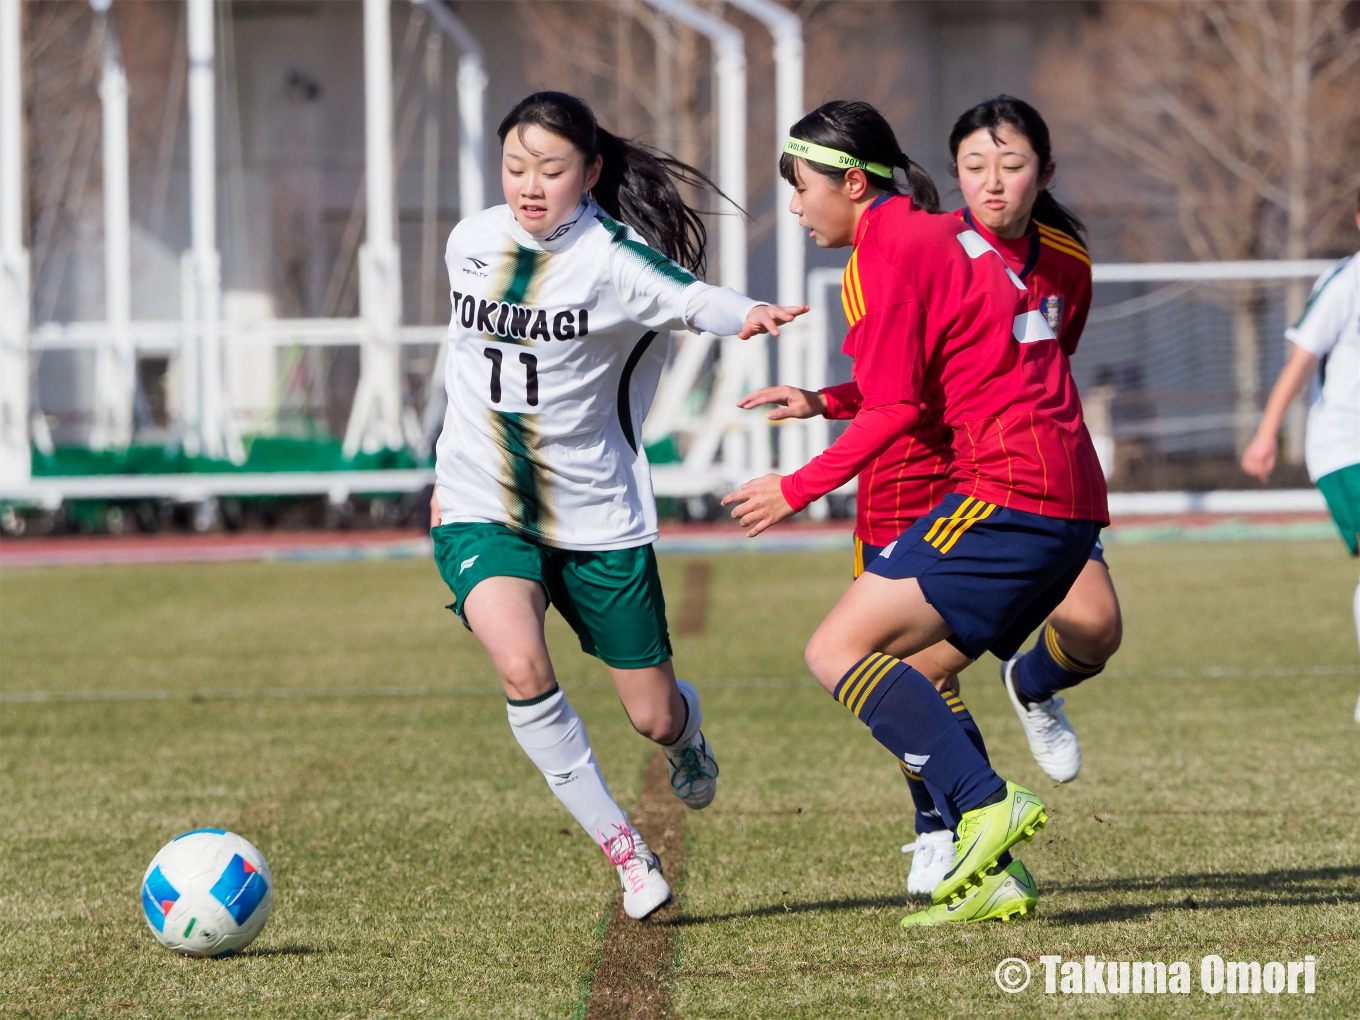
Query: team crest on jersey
pixel 1052 307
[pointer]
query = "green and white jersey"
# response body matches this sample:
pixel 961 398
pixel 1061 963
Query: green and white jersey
pixel 555 350
pixel 1330 329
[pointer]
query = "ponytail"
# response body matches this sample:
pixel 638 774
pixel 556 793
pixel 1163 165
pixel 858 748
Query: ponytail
pixel 920 186
pixel 638 184
pixel 1052 213
pixel 859 130
pixel 1018 114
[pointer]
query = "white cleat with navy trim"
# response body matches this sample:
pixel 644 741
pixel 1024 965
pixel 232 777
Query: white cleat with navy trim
pixel 644 886
pixel 932 857
pixel 1052 740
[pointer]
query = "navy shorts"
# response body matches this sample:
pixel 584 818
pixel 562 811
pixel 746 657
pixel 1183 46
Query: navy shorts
pixel 1098 554
pixel 994 574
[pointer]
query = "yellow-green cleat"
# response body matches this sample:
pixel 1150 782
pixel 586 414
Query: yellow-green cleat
pixel 1006 893
pixel 984 834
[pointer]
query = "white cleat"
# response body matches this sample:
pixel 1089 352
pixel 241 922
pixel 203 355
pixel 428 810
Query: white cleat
pixel 644 886
pixel 1052 740
pixel 933 857
pixel 694 773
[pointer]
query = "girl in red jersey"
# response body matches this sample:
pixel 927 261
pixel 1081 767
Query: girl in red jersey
pixel 940 331
pixel 1003 160
pixel 1004 163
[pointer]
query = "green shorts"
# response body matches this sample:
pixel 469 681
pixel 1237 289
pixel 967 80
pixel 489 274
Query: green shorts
pixel 1341 490
pixel 612 599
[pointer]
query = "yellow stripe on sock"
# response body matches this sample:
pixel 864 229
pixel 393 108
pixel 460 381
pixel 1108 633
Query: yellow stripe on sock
pixel 954 701
pixel 867 664
pixel 869 689
pixel 882 666
pixel 1063 659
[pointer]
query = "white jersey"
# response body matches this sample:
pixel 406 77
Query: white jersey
pixel 1330 329
pixel 553 361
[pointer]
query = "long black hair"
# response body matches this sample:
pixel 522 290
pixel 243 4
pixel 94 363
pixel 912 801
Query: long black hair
pixel 637 183
pixel 1018 114
pixel 859 130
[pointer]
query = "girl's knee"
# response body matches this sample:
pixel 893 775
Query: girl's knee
pixel 1092 636
pixel 524 675
pixel 657 724
pixel 826 659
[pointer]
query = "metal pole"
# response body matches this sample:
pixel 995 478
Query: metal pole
pixel 375 421
pixel 115 362
pixel 742 364
pixel 203 366
pixel 787 29
pixel 472 82
pixel 429 227
pixel 15 459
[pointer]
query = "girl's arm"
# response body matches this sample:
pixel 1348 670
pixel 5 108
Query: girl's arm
pixel 765 501
pixel 842 401
pixel 869 433
pixel 1258 460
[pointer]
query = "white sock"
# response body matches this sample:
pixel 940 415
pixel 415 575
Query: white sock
pixel 692 723
pixel 555 740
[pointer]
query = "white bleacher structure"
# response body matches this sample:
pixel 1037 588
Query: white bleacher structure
pixel 1160 360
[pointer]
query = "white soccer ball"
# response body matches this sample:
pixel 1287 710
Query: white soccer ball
pixel 207 893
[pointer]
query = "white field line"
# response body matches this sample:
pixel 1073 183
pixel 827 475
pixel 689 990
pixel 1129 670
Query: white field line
pixel 753 683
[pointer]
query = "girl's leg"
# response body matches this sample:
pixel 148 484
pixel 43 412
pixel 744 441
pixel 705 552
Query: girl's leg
pixel 667 711
pixel 941 664
pixel 902 709
pixel 653 701
pixel 1077 639
pixel 506 614
pixel 876 613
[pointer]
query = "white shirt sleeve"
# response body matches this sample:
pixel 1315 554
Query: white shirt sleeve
pixel 657 293
pixel 719 310
pixel 1330 306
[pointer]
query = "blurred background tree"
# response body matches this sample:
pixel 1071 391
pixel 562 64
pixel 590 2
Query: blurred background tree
pixel 1236 122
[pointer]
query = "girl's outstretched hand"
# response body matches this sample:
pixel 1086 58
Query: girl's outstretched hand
pixel 793 402
pixel 760 504
pixel 768 319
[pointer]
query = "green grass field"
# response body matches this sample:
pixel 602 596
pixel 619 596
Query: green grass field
pixel 423 869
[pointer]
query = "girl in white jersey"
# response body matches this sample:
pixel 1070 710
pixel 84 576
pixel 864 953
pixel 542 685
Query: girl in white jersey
pixel 543 490
pixel 1324 343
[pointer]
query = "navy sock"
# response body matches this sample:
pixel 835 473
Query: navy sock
pixel 965 719
pixel 933 810
pixel 906 714
pixel 1046 669
pixel 929 815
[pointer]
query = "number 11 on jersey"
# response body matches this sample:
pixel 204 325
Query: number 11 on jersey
pixel 498 395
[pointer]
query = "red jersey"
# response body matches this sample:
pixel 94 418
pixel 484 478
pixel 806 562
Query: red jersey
pixel 941 330
pixel 1055 269
pixel 912 476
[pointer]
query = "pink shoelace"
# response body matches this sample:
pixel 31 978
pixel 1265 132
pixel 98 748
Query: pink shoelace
pixel 621 849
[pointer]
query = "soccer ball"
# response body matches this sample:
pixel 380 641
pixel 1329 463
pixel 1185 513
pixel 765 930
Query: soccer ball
pixel 207 893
